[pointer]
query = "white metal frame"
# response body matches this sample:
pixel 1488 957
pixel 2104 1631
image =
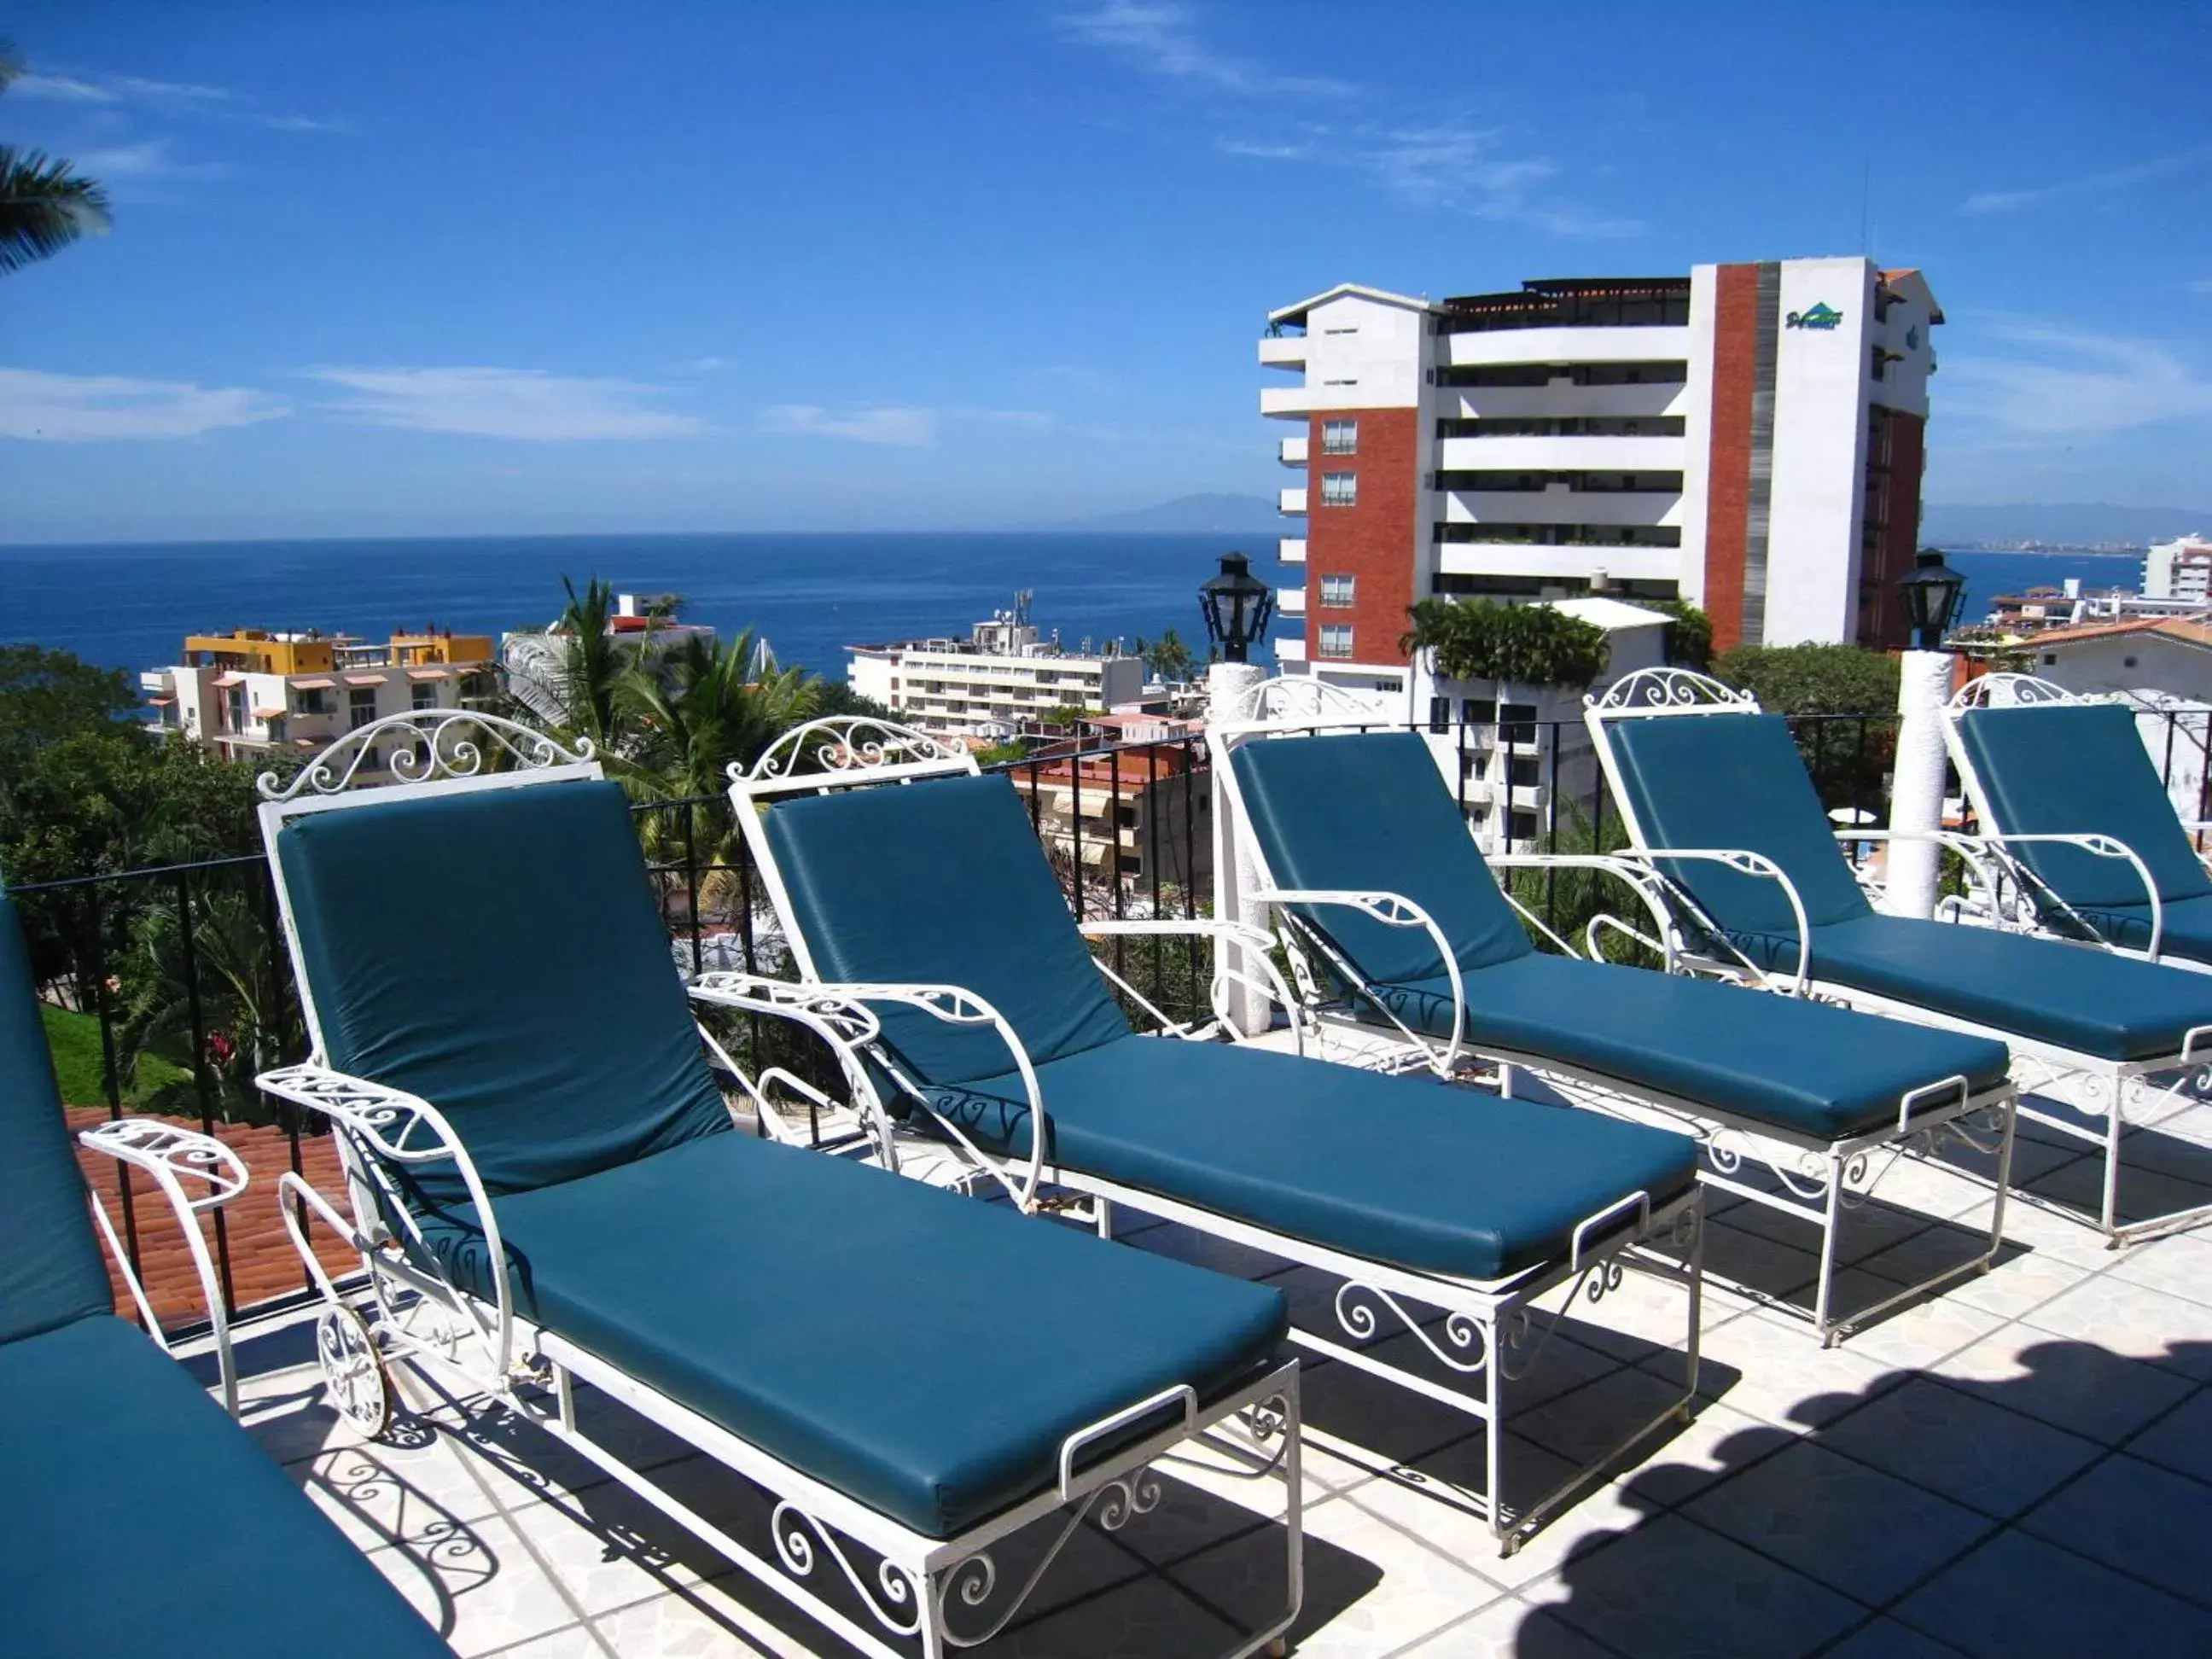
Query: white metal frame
pixel 2033 907
pixel 1490 1331
pixel 1819 1179
pixel 168 1156
pixel 923 1595
pixel 2111 1090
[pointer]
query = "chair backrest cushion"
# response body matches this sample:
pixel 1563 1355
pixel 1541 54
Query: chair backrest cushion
pixel 2080 768
pixel 499 952
pixel 943 883
pixel 1736 782
pixel 51 1272
pixel 1369 811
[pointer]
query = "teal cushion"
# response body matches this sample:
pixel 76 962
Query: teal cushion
pixel 1736 781
pixel 499 953
pixel 2184 927
pixel 50 1271
pixel 2081 769
pixel 943 881
pixel 924 1354
pixel 1438 1179
pixel 2068 995
pixel 1369 813
pixel 1803 1067
pixel 141 1521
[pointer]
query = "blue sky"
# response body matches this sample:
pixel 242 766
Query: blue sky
pixel 423 269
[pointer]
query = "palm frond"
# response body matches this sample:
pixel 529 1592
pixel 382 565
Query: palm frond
pixel 44 207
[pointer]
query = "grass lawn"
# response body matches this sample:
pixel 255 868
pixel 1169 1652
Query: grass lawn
pixel 75 1041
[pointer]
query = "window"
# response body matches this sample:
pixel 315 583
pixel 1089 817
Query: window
pixel 1340 437
pixel 1336 592
pixel 1524 773
pixel 2050 659
pixel 1335 639
pixel 311 702
pixel 1340 490
pixel 360 706
pixel 1518 723
pixel 2127 662
pixel 425 697
pixel 1439 713
pixel 1524 826
pixel 1477 711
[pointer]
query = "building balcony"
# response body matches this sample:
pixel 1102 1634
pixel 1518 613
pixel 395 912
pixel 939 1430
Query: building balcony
pixel 1282 351
pixel 1558 505
pixel 1618 560
pixel 1573 454
pixel 1291 501
pixel 1566 345
pixel 1290 648
pixel 1291 550
pixel 1292 451
pixel 1291 601
pixel 1289 403
pixel 1563 398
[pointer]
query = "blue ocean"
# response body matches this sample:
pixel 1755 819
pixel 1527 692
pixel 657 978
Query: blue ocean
pixel 809 595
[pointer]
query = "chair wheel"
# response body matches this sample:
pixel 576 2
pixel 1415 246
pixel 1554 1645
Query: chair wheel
pixel 353 1371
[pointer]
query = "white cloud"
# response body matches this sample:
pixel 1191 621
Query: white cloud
pixel 63 89
pixel 154 158
pixel 1161 38
pixel 82 408
pixel 172 97
pixel 2064 383
pixel 903 425
pixel 1261 150
pixel 526 403
pixel 2098 183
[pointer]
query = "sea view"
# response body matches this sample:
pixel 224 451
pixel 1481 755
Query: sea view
pixel 129 606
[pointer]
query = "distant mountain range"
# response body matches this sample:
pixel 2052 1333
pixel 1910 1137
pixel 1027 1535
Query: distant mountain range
pixel 2073 523
pixel 1189 515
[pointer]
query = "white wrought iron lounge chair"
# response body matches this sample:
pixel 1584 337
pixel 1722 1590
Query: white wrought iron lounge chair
pixel 1756 889
pixel 2073 816
pixel 139 1520
pixel 926 919
pixel 507 1060
pixel 1393 921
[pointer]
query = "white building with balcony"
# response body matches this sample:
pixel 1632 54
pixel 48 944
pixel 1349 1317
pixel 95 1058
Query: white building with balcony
pixel 2180 570
pixel 1747 437
pixel 992 684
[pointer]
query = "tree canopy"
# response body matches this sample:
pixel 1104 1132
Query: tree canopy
pixel 1813 679
pixel 1516 644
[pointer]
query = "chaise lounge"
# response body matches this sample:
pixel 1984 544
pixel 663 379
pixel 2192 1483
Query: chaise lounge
pixel 919 910
pixel 1718 805
pixel 545 1188
pixel 1397 922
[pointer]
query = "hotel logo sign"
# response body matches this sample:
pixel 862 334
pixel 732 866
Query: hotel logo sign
pixel 1822 316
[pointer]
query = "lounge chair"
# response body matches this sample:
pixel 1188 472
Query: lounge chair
pixel 503 1050
pixel 2072 812
pixel 140 1520
pixel 1718 803
pixel 928 919
pixel 1395 918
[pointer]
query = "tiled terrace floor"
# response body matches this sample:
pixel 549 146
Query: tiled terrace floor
pixel 2020 1467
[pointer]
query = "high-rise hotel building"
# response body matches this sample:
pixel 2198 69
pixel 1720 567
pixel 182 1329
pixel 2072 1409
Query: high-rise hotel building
pixel 1747 437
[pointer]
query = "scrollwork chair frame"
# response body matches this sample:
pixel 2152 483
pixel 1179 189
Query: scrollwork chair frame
pixel 914 1586
pixel 1493 1331
pixel 2110 1089
pixel 1816 1180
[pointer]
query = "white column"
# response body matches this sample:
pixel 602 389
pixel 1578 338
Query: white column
pixel 1234 870
pixel 1916 795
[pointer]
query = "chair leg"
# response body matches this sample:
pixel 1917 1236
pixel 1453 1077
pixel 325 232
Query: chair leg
pixel 1494 1438
pixel 2114 1125
pixel 1831 1224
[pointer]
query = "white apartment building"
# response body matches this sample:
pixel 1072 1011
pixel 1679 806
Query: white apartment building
pixel 1747 437
pixel 987 686
pixel 2180 570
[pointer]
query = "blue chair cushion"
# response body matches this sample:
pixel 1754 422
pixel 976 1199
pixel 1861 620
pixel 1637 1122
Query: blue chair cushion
pixel 141 1521
pixel 50 1267
pixel 943 881
pixel 923 1354
pixel 499 952
pixel 2067 995
pixel 1436 1179
pixel 1804 1069
pixel 1736 781
pixel 2080 769
pixel 2185 930
pixel 1369 813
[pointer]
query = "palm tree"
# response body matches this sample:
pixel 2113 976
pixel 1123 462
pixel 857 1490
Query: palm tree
pixel 44 205
pixel 595 663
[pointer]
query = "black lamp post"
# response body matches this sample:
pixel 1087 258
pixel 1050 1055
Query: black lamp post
pixel 1931 591
pixel 1236 605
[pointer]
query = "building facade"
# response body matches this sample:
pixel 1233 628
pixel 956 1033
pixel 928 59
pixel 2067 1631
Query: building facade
pixel 2180 570
pixel 1138 816
pixel 992 684
pixel 250 693
pixel 1747 437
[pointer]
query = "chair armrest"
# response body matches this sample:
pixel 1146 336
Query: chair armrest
pixel 1392 911
pixel 1622 867
pixel 851 1003
pixel 2102 846
pixel 1257 944
pixel 168 1154
pixel 844 1027
pixel 391 1124
pixel 1748 863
